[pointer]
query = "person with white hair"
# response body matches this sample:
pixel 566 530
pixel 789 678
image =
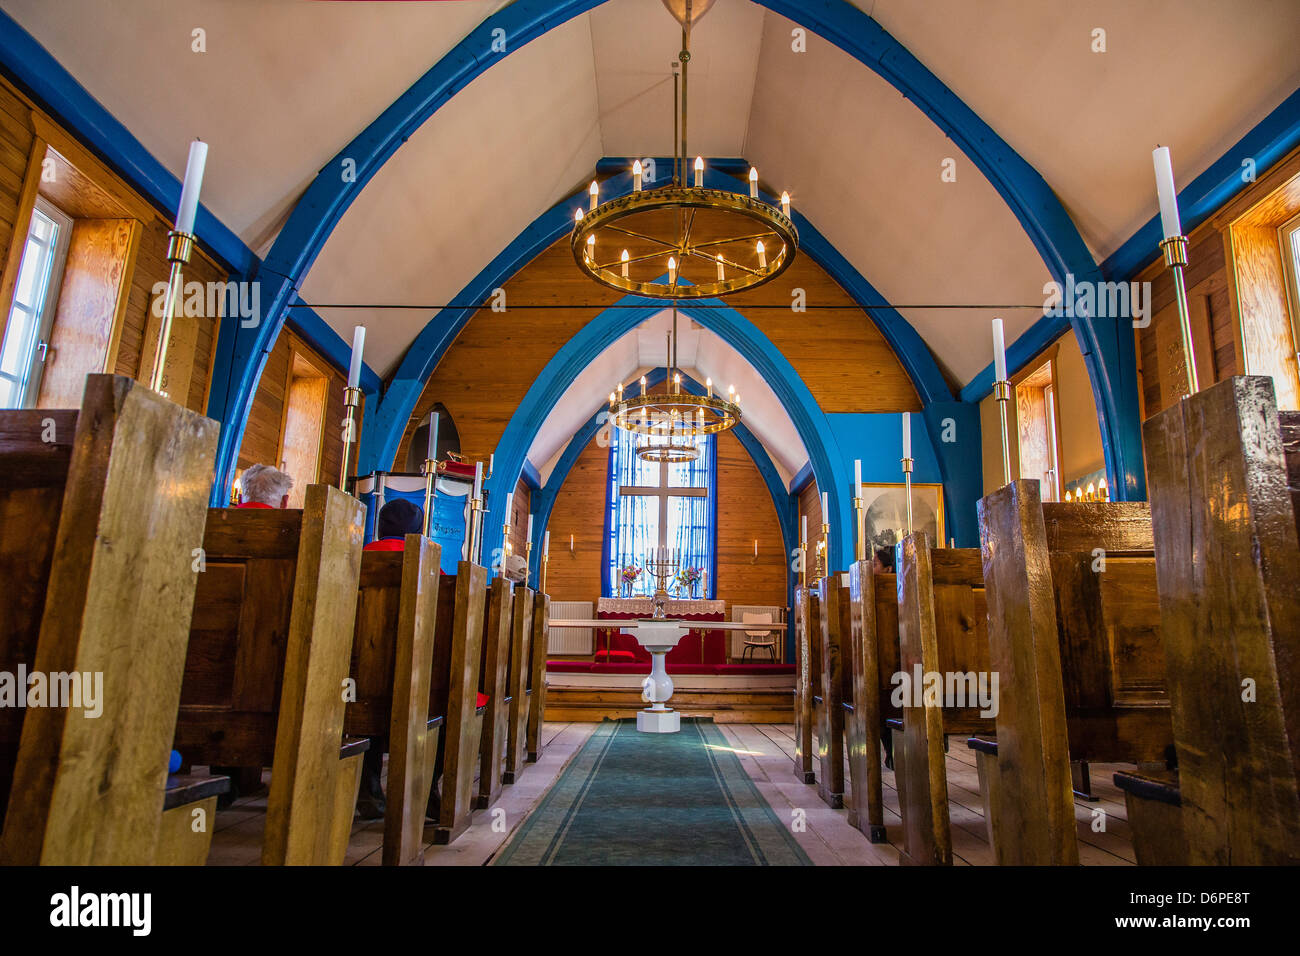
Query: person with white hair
pixel 265 487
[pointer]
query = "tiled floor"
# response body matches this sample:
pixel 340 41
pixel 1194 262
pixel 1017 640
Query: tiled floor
pixel 767 752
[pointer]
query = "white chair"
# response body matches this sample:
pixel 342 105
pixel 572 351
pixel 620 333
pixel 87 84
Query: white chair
pixel 758 639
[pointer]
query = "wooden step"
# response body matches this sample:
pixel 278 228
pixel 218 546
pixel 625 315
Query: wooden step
pixel 582 704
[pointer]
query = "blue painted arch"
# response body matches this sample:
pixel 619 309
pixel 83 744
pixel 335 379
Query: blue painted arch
pixel 1107 346
pixel 807 417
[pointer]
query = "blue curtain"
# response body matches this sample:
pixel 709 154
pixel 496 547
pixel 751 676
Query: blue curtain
pixel 632 521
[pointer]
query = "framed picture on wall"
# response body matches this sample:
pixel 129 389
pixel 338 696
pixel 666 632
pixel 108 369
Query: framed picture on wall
pixel 885 507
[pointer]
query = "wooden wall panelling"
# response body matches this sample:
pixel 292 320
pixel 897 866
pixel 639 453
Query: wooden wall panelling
pixel 94 279
pixel 579 510
pixel 746 514
pixel 15 206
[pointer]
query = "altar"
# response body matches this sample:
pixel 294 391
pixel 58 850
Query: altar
pixel 673 607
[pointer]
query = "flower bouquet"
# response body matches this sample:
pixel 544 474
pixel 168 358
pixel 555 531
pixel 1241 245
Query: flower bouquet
pixel 687 578
pixel 628 575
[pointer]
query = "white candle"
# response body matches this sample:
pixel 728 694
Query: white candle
pixel 492 463
pixel 546 542
pixel 753 183
pixel 672 271
pixel 478 478
pixel 907 434
pixel 624 257
pixel 762 255
pixel 577 216
pixel 642 384
pixel 510 507
pixel 699 172
pixel 530 528
pixel 708 386
pixel 857 476
pixel 755 547
pixel 189 205
pixel 433 437
pixel 358 344
pixel 1168 195
pixel 826 509
pixel 570 542
pixel 999 353
pixel 785 204
pixel 804 536
pixel 636 176
pixel 594 191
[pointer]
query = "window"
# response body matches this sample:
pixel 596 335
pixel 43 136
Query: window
pixel 27 334
pixel 1037 429
pixel 1289 237
pixel 652 505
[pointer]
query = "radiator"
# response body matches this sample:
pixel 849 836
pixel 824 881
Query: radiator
pixel 738 611
pixel 572 640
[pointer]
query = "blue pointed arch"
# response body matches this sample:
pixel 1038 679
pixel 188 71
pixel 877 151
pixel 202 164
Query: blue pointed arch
pixel 808 419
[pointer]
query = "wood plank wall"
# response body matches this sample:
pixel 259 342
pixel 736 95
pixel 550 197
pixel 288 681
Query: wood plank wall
pixel 88 190
pixel 745 512
pixel 1217 300
pixel 264 434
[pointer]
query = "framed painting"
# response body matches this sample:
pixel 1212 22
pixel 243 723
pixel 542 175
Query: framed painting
pixel 885 507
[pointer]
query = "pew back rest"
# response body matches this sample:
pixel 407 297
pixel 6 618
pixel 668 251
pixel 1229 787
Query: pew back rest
pixel 374 642
pixel 238 636
pixel 35 449
pixel 960 626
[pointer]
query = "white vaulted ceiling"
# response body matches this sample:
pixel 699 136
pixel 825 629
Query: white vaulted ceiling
pixel 286 84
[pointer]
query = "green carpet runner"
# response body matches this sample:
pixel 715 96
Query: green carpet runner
pixel 634 799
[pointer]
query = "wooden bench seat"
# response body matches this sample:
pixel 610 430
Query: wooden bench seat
pixel 101 510
pixel 269 652
pixel 1223 469
pixel 871 657
pixel 1075 636
pixel 393 652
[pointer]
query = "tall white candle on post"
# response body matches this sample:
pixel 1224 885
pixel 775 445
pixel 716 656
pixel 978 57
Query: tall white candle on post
pixel 1174 246
pixel 351 399
pixel 358 345
pixel 433 437
pixel 860 544
pixel 180 245
pixel 1002 393
pixel 907 464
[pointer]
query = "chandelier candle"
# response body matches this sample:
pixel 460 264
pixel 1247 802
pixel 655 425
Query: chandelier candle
pixel 624 259
pixel 753 183
pixel 722 275
pixel 1174 246
pixel 594 191
pixel 699 172
pixel 180 246
pixel 636 176
pixel 785 204
pixel 762 255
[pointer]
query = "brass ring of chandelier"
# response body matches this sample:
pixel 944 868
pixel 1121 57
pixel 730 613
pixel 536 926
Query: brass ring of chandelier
pixel 669 454
pixel 667 415
pixel 744 209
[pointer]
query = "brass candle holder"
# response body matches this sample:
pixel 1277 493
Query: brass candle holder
pixel 546 560
pixel 860 528
pixel 475 519
pixel 528 562
pixel 824 552
pixel 803 562
pixel 1175 250
pixel 661 569
pixel 430 471
pixel 1002 392
pixel 351 401
pixel 180 247
pixel 907 479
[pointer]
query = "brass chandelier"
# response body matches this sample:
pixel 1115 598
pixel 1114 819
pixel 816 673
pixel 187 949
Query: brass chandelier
pixel 672 421
pixel 679 241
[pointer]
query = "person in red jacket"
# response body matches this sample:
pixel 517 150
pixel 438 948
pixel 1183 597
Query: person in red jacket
pixel 396 520
pixel 264 487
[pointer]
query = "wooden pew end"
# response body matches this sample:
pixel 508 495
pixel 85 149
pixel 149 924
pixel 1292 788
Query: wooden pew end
pixel 1155 817
pixel 189 811
pixel 986 765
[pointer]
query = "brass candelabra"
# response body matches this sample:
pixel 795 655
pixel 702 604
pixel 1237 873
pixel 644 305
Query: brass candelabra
pixel 661 566
pixel 180 247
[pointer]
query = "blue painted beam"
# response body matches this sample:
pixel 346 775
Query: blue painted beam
pixel 801 481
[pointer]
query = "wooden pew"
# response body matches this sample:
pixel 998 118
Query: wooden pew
pixel 270 645
pixel 495 682
pixel 1223 468
pixel 807 666
pixel 834 686
pixel 872 656
pixel 392 664
pixel 1064 693
pixel 537 675
pixel 462 604
pixel 100 513
pixel 521 644
pixel 942 630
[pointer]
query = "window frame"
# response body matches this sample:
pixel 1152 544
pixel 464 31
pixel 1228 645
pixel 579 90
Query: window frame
pixel 1288 235
pixel 43 320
